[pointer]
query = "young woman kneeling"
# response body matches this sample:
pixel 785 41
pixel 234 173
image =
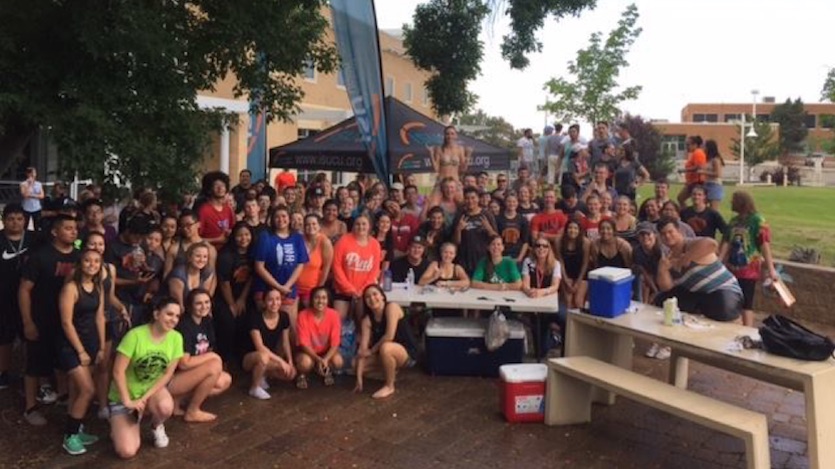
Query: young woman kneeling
pixel 200 372
pixel 386 340
pixel 267 331
pixel 145 362
pixel 318 335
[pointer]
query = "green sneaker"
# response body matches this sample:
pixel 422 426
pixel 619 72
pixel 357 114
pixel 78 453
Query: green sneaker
pixel 86 438
pixel 73 445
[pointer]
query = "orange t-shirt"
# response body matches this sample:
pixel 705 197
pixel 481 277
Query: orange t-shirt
pixel 311 272
pixel 322 335
pixel 697 160
pixel 355 267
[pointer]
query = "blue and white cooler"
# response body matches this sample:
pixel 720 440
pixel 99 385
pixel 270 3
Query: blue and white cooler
pixel 455 347
pixel 610 291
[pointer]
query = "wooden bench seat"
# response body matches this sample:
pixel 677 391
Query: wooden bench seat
pixel 569 399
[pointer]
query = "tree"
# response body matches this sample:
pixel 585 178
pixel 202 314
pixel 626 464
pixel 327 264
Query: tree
pixel 647 140
pixel 445 41
pixel 591 95
pixel 792 119
pixel 494 130
pixel 116 82
pixel 764 147
pixel 828 94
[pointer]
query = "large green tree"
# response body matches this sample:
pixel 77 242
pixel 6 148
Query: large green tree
pixel 647 139
pixel 764 147
pixel 591 93
pixel 444 39
pixel 494 130
pixel 828 94
pixel 117 81
pixel 791 116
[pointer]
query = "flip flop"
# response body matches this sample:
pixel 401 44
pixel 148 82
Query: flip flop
pixel 301 382
pixel 328 378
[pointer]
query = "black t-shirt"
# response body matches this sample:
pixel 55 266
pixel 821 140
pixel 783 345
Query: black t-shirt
pixel 706 223
pixel 572 212
pixel 648 261
pixel 514 232
pixel 474 238
pixel 13 256
pixel 400 269
pixel 47 268
pixel 239 193
pixel 235 268
pixel 197 338
pixel 270 337
pixel 129 264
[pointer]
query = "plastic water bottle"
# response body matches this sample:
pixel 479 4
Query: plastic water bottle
pixel 670 307
pixel 387 280
pixel 410 280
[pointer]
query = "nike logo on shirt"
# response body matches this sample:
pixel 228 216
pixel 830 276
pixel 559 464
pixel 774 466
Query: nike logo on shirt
pixel 7 256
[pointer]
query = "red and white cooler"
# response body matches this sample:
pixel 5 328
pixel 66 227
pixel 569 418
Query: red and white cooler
pixel 522 396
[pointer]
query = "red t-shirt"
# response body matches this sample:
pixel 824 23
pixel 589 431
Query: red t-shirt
pixel 214 223
pixel 550 223
pixel 322 335
pixel 590 227
pixel 403 231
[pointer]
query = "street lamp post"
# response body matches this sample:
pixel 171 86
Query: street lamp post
pixel 742 150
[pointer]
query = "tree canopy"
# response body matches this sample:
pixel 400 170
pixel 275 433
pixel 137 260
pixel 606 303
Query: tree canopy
pixel 792 119
pixel 445 41
pixel 117 81
pixel 494 130
pixel 828 94
pixel 591 93
pixel 647 139
pixel 764 147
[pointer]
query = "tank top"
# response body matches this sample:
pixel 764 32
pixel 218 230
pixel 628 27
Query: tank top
pixel 84 314
pixel 572 262
pixel 705 278
pixel 615 261
pixel 309 277
pixel 403 334
pixel 452 277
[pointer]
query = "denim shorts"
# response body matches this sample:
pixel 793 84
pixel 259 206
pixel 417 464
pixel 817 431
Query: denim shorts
pixel 714 191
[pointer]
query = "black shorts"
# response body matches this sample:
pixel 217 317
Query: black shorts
pixel 9 325
pixel 41 354
pixel 68 357
pixel 341 297
pixel 749 286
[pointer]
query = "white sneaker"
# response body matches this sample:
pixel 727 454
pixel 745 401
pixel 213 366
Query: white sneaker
pixel 652 351
pixel 264 384
pixel 35 418
pixel 663 353
pixel 259 393
pixel 160 437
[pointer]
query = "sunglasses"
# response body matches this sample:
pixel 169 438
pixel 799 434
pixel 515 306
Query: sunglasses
pixel 542 246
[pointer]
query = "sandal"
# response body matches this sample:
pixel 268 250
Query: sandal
pixel 328 378
pixel 301 382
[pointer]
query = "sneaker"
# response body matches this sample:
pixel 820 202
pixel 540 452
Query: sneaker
pixel 86 438
pixel 46 395
pixel 663 353
pixel 264 384
pixel 34 417
pixel 652 351
pixel 5 381
pixel 259 393
pixel 73 445
pixel 160 437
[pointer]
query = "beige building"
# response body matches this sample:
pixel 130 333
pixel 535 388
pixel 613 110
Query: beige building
pixel 325 103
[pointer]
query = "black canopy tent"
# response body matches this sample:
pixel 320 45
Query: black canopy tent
pixel 340 147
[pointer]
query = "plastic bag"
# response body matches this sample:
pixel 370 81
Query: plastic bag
pixel 497 332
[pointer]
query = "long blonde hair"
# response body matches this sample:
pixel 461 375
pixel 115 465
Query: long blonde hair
pixel 550 259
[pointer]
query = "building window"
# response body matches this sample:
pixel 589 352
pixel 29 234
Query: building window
pixel 711 118
pixel 828 121
pixel 407 92
pixel 309 70
pixel 425 97
pixel 810 120
pixel 763 117
pixel 390 86
pixel 304 133
pixel 733 117
pixel 698 117
pixel 340 78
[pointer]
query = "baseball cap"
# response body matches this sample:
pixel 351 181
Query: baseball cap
pixel 397 186
pixel 646 227
pixel 418 240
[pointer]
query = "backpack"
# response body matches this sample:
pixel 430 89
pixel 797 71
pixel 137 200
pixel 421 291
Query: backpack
pixel 784 337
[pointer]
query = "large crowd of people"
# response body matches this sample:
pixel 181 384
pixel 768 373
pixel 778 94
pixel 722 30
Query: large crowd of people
pixel 140 308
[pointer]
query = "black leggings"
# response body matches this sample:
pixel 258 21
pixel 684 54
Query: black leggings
pixel 720 305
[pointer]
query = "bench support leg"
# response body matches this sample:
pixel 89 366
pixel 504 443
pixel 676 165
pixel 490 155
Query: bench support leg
pixel 820 420
pixel 756 448
pixel 568 400
pixel 585 340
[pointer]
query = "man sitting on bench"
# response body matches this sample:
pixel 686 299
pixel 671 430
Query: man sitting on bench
pixel 692 272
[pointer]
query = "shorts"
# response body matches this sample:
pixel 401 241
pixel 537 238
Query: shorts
pixel 41 354
pixel 9 325
pixel 341 297
pixel 714 191
pixel 749 286
pixel 68 358
pixel 258 297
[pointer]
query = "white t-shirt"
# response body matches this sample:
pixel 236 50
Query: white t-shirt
pixel 527 147
pixel 529 268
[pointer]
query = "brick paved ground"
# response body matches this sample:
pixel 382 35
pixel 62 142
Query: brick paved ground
pixel 430 422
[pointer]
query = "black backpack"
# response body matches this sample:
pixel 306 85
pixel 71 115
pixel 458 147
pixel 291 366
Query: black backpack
pixel 784 337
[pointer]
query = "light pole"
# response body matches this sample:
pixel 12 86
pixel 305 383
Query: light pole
pixel 754 94
pixel 742 136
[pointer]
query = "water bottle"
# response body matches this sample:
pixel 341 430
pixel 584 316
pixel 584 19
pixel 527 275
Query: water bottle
pixel 670 307
pixel 387 280
pixel 410 279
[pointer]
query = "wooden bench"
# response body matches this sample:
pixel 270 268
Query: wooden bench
pixel 569 398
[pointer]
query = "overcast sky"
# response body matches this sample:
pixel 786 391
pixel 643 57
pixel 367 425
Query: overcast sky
pixel 689 51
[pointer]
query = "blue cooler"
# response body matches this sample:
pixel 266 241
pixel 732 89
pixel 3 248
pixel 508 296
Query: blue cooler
pixel 610 291
pixel 455 347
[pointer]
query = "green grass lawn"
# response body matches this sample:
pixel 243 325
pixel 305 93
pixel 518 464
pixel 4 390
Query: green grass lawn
pixel 798 216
